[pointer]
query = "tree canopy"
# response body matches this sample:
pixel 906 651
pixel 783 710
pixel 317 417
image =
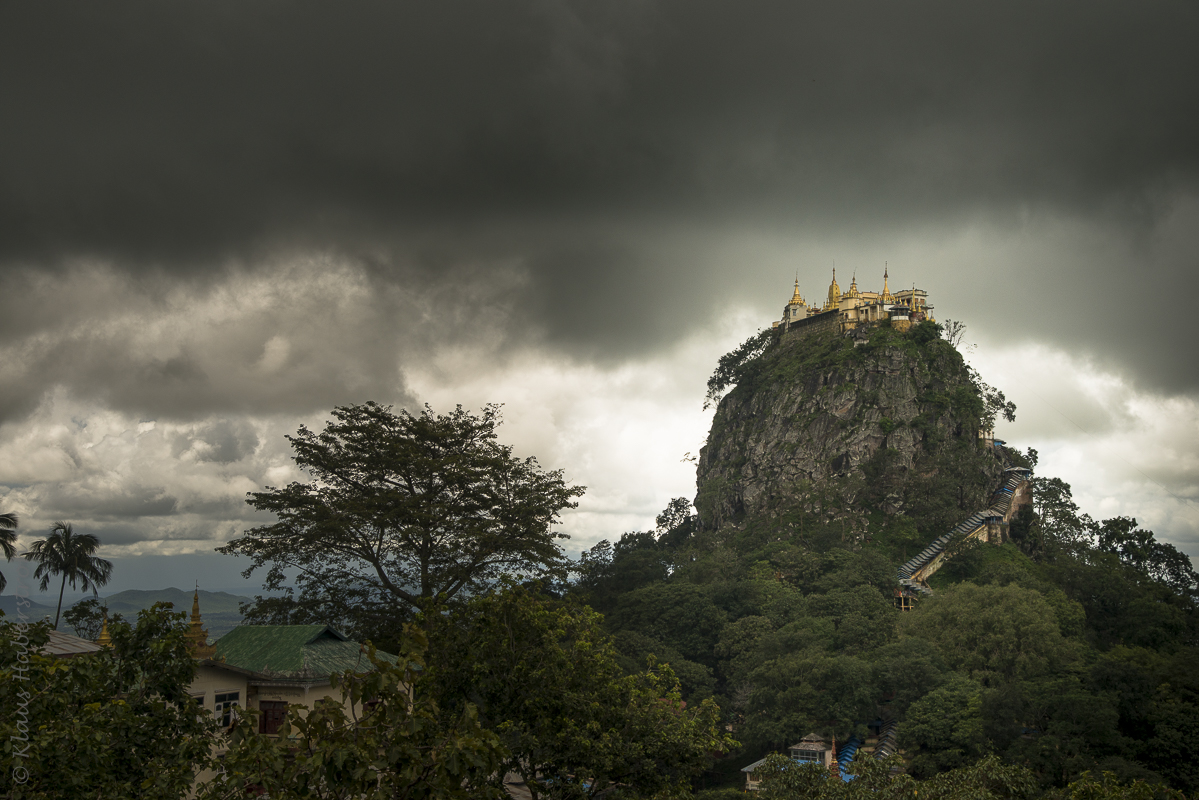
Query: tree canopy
pixel 8 541
pixel 404 512
pixel 117 723
pixel 72 556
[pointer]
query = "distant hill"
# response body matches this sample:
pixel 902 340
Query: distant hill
pixel 8 604
pixel 218 609
pixel 132 601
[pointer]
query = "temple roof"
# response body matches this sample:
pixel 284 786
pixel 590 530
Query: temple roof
pixel 292 651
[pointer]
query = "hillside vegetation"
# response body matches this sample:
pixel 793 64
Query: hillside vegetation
pixel 1070 648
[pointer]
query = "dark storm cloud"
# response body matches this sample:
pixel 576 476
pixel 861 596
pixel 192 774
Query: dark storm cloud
pixel 69 501
pixel 556 140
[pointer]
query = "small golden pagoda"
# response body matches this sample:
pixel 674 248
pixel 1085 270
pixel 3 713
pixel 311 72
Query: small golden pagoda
pixel 197 635
pixel 853 292
pixel 834 294
pixel 797 298
pixel 105 640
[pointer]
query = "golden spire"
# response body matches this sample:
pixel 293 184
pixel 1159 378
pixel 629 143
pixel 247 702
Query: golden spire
pixel 834 292
pixel 886 298
pixel 853 286
pixel 105 640
pixel 200 648
pixel 796 298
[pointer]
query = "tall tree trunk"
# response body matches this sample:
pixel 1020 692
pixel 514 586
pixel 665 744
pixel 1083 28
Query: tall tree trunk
pixel 60 591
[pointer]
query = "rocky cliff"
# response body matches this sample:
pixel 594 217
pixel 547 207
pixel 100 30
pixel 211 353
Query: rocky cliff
pixel 814 421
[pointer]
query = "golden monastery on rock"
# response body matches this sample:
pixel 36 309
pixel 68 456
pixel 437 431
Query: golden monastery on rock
pixel 847 311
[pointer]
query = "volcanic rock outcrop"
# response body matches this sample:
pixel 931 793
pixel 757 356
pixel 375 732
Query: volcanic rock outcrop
pixel 885 422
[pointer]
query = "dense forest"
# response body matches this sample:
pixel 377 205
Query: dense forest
pixel 1073 646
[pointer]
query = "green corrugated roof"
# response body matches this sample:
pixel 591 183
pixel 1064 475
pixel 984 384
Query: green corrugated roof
pixel 292 651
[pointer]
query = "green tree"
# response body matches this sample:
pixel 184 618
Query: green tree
pixel 608 570
pixel 71 555
pixel 989 779
pixel 404 512
pixel 1140 550
pixel 545 676
pixel 8 541
pixel 86 618
pixel 995 405
pixel 1059 526
pixel 386 739
pixel 118 723
pixel 944 729
pixel 926 331
pixel 680 614
pixel 995 634
pixel 906 670
pixel 809 690
pixel 1073 729
pixel 1107 785
pixel 732 367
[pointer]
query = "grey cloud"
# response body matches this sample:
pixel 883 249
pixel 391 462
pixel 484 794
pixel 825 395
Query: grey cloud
pixel 116 534
pixel 70 501
pixel 438 148
pixel 289 340
pixel 185 130
pixel 222 441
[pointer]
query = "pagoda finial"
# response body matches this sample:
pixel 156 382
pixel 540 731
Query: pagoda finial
pixel 199 646
pixel 834 292
pixel 104 640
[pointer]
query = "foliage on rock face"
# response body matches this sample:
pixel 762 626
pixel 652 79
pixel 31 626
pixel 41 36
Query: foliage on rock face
pixel 730 369
pixel 119 723
pixel 544 675
pixel 387 738
pixel 891 425
pixel 403 512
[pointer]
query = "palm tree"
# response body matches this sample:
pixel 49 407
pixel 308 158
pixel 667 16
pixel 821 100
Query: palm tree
pixel 8 541
pixel 70 555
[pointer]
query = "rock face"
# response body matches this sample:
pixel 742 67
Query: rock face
pixel 816 415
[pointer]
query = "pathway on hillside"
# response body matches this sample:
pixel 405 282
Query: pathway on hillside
pixel 913 577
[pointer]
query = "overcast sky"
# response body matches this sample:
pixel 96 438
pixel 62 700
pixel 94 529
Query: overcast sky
pixel 218 220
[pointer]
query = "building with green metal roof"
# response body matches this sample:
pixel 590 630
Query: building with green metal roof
pixel 292 652
pixel 274 667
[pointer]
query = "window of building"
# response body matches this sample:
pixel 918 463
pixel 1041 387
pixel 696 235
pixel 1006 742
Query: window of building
pixel 225 703
pixel 199 698
pixel 806 755
pixel 273 714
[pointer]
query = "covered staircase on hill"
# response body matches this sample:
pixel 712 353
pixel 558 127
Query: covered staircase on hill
pixel 845 754
pixel 913 576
